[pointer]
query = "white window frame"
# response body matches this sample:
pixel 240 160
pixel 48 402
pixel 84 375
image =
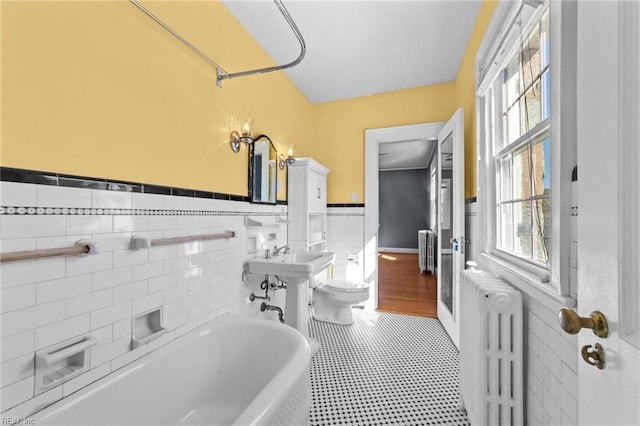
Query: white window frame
pixel 501 40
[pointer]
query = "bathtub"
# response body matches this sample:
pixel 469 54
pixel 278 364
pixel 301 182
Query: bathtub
pixel 231 371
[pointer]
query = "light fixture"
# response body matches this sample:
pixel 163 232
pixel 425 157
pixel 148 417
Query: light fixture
pixel 289 160
pixel 245 137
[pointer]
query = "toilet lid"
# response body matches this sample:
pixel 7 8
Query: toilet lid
pixel 346 286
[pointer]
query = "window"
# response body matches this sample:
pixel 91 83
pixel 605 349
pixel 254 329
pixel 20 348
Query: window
pixel 522 154
pixel 526 97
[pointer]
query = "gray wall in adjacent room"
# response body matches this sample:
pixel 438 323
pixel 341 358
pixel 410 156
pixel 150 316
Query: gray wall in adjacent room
pixel 404 207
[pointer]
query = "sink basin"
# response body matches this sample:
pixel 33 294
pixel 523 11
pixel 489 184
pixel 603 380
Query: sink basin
pixel 296 269
pixel 300 265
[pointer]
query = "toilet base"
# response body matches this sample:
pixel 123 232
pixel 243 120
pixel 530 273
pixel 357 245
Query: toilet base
pixel 345 320
pixel 327 309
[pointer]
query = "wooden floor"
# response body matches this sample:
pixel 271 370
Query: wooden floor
pixel 402 288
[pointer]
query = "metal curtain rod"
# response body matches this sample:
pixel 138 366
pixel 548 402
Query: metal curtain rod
pixel 221 73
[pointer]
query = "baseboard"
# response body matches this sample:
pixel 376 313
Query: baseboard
pixel 397 250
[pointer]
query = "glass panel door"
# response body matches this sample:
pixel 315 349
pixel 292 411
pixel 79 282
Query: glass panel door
pixel 451 238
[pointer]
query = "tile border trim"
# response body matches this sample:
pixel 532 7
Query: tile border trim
pixel 9 174
pixel 334 205
pixel 71 211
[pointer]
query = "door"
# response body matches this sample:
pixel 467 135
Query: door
pixel 608 202
pixel 450 221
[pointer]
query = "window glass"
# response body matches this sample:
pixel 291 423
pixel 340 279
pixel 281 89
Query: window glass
pixel 512 123
pixel 544 39
pixel 523 158
pixel 505 226
pixel 512 87
pixel 531 57
pixel 531 107
pixel 522 228
pixel 521 174
pixel 541 155
pixel 545 97
pixel 542 230
pixel 505 177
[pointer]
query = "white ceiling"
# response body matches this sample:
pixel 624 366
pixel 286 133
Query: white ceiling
pixel 360 48
pixel 411 154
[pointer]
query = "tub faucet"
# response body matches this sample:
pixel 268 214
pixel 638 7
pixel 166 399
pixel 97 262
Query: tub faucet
pixel 265 307
pixel 277 250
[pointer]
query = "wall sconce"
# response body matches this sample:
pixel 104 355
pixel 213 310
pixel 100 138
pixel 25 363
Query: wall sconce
pixel 289 160
pixel 245 137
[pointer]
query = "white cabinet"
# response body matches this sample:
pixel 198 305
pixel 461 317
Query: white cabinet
pixel 307 205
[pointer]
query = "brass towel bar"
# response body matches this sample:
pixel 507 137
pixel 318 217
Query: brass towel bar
pixel 78 249
pixel 141 242
pixel 85 247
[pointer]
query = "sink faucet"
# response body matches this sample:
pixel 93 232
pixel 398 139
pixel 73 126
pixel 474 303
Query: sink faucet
pixel 277 250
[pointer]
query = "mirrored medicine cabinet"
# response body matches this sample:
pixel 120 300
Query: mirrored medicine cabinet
pixel 263 171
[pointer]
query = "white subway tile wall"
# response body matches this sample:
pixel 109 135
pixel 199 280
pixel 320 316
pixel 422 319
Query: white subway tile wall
pixel 48 301
pixel 51 300
pixel 345 237
pixel 551 377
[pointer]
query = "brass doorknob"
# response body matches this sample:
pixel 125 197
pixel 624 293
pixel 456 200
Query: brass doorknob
pixel 572 323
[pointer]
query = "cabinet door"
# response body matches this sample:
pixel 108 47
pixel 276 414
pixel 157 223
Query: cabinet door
pixel 322 184
pixel 317 192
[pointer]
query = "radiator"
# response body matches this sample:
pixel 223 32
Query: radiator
pixel 422 250
pixel 491 350
pixel 431 252
pixel 426 248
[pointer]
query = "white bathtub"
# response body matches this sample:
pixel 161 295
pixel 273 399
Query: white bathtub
pixel 231 371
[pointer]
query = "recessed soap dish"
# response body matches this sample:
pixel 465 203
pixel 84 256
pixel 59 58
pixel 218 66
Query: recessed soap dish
pixel 62 362
pixel 147 327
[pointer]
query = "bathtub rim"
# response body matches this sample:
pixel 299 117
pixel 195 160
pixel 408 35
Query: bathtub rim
pixel 267 399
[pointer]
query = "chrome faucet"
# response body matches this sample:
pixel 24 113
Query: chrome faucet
pixel 277 250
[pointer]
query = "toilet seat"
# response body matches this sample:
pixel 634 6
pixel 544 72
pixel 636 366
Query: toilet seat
pixel 345 286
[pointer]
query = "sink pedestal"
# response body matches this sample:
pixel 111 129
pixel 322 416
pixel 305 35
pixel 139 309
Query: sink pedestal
pixel 296 311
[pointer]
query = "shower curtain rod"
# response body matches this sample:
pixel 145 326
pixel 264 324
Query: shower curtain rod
pixel 221 73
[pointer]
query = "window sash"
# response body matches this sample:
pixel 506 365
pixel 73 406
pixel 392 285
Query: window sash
pixel 506 233
pixel 531 135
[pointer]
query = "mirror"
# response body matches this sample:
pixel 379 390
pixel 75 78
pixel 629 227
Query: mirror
pixel 263 171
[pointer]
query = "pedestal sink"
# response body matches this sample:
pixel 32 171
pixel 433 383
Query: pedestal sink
pixel 296 269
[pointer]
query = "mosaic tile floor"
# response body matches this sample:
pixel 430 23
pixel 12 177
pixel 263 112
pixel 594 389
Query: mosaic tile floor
pixel 385 369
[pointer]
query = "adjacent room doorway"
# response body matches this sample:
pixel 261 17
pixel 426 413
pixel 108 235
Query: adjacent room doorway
pixel 451 135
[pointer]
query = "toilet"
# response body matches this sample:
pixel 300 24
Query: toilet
pixel 332 300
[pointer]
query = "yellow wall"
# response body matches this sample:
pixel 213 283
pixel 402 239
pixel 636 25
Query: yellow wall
pixel 98 89
pixel 341 125
pixel 466 97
